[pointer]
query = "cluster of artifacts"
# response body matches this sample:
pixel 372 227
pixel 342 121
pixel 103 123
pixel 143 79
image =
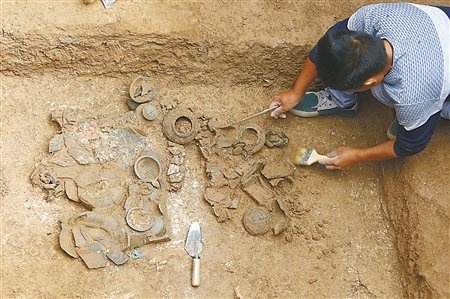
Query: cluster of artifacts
pixel 114 173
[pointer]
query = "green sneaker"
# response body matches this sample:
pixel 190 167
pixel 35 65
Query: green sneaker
pixel 392 131
pixel 320 103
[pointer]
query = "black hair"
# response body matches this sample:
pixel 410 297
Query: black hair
pixel 345 59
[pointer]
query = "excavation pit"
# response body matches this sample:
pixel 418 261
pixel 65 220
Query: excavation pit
pixel 379 229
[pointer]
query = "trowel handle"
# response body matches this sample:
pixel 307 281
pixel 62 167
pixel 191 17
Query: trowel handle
pixel 196 271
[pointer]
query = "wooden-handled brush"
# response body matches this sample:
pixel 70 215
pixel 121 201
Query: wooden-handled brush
pixel 308 156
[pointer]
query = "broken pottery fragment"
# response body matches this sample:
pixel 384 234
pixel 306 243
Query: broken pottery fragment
pixel 121 145
pixel 94 237
pixel 221 213
pixel 276 170
pixel 56 144
pixel 66 241
pixel 249 168
pixel 70 187
pixel 215 175
pixel 226 137
pixel 233 204
pixel 176 173
pixel 276 139
pixel 180 126
pixel 257 221
pixel 65 117
pixel 101 185
pixel 142 91
pixel 222 196
pixel 260 193
pixel 81 152
pixel 90 162
pixel 253 137
pixel 116 255
pixel 284 206
pixel 281 224
pixel 148 167
pixel 60 158
pixel 93 255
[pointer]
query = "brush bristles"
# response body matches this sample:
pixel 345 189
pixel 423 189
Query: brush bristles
pixel 299 156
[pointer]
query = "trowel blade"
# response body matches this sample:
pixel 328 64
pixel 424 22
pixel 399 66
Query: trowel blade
pixel 107 3
pixel 194 244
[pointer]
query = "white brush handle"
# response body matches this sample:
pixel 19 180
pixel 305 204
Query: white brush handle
pixel 322 159
pixel 196 271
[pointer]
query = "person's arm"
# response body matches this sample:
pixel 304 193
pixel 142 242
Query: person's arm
pixel 406 144
pixel 344 157
pixel 288 99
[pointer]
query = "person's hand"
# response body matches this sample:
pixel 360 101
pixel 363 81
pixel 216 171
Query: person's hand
pixel 284 101
pixel 341 158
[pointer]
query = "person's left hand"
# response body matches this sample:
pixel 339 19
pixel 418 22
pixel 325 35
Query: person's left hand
pixel 341 158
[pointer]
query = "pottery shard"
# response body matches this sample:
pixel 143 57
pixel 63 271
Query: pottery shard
pixel 176 177
pixel 71 190
pixel 93 255
pixel 83 154
pixel 261 194
pixel 173 169
pixel 66 240
pixel 277 170
pixel 222 196
pixel 276 139
pixel 175 150
pixel 56 144
pixel 65 117
pixel 178 160
pixel 281 225
pixel 249 168
pixel 221 213
pixel 116 255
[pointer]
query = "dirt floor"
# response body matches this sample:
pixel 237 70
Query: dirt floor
pixel 376 230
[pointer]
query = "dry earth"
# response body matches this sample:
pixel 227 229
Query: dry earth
pixel 376 230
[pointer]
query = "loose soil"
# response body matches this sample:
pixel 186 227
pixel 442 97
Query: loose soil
pixel 376 230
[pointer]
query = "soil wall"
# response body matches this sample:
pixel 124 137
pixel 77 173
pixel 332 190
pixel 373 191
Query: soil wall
pixel 417 204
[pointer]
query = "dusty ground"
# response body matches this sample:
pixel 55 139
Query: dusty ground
pixel 355 233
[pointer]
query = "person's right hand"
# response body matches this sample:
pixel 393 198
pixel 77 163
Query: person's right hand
pixel 285 101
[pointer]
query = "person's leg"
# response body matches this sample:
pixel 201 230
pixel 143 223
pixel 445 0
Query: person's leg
pixel 445 113
pixel 344 99
pixel 327 102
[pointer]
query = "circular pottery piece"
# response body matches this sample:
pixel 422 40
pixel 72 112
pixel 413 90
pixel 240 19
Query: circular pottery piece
pixel 132 104
pixel 142 91
pixel 257 221
pixel 253 137
pixel 149 112
pixel 180 126
pixel 140 219
pixel 147 167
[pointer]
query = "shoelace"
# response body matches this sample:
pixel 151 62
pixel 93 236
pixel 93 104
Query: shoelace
pixel 323 101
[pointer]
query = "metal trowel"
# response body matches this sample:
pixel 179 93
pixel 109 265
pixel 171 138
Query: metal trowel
pixel 108 3
pixel 194 246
